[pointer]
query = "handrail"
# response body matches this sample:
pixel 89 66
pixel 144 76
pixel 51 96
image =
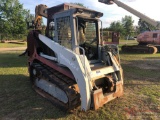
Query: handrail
pixel 84 66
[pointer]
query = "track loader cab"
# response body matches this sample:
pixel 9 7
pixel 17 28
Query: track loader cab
pixel 70 65
pixel 78 33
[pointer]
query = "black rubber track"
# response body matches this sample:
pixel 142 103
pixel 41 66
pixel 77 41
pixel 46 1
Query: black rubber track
pixel 58 79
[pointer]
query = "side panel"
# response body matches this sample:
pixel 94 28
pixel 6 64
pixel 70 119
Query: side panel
pixel 69 59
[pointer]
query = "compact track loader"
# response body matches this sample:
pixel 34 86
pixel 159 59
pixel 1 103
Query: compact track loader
pixel 70 65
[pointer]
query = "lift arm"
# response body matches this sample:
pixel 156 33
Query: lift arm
pixel 40 11
pixel 133 11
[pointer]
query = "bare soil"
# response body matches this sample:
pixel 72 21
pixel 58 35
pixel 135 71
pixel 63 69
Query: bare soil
pixel 12 49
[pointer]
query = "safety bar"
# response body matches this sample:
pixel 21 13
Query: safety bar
pixel 84 65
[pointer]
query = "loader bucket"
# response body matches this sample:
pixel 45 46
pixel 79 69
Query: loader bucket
pixel 100 99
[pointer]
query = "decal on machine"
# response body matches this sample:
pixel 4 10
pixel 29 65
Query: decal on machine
pixel 98 72
pixel 69 62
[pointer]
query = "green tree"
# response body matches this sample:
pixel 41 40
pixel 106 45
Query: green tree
pixel 13 16
pixel 30 21
pixel 144 26
pixel 127 23
pixel 116 26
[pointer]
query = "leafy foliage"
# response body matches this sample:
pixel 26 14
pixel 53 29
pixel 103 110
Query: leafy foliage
pixel 144 26
pixel 12 17
pixel 116 26
pixel 124 27
pixel 127 23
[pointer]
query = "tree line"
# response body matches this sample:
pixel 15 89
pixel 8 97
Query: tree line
pixel 13 20
pixel 126 27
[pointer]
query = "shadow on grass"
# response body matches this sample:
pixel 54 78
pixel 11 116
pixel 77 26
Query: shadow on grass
pixel 8 60
pixel 19 101
pixel 152 58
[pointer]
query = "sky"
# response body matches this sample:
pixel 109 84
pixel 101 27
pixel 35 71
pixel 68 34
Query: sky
pixel 111 12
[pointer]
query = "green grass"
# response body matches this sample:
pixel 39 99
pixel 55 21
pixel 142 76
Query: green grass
pixel 19 101
pixel 10 45
pixel 128 41
pixel 132 56
pixel 141 92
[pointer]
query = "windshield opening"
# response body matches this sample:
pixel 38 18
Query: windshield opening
pixel 87 37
